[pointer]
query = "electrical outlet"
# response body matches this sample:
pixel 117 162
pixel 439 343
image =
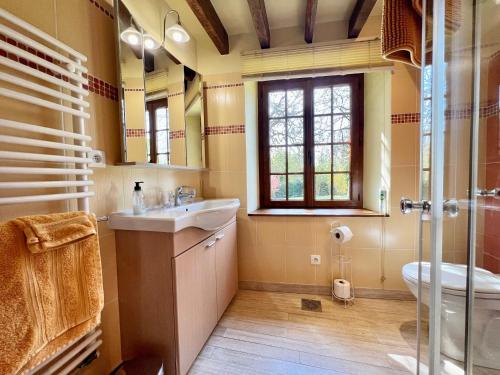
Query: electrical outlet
pixel 315 260
pixel 99 158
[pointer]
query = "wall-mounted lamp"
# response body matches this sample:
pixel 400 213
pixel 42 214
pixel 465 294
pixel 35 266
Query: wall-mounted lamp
pixel 131 36
pixel 150 43
pixel 176 32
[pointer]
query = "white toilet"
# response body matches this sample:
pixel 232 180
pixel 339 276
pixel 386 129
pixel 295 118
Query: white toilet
pixel 486 317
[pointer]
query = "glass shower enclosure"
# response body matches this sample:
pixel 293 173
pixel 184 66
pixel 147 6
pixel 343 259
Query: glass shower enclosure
pixel 459 254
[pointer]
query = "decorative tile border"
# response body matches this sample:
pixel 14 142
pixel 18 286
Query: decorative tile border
pixel 209 87
pixel 95 85
pixel 177 134
pixel 485 111
pixel 135 133
pixel 141 133
pixel 228 129
pixel 133 90
pixel 100 87
pixel 103 8
pixel 175 94
pixel 405 118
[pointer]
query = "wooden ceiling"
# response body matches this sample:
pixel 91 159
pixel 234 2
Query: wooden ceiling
pixel 213 26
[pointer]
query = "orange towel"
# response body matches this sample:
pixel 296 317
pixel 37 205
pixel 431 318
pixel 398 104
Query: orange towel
pixel 402 28
pixel 50 286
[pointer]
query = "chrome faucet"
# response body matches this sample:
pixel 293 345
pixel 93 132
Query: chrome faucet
pixel 184 195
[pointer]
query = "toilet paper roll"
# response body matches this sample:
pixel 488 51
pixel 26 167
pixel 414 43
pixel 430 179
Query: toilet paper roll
pixel 342 234
pixel 342 288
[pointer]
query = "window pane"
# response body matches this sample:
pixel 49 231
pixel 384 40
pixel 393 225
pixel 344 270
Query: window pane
pixel 426 151
pixel 295 131
pixel 161 142
pixel 147 126
pixel 427 116
pixel 278 159
pixel 276 104
pixel 342 99
pixel 148 145
pixel 322 129
pixel 161 118
pixel 162 159
pixel 295 159
pixel 277 132
pixel 341 128
pixel 341 186
pixel 296 187
pixel 322 100
pixel 322 187
pixel 426 184
pixel 295 102
pixel 322 158
pixel 278 190
pixel 342 158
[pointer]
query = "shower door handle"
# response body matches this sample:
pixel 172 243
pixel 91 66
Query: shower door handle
pixel 495 193
pixel 450 206
pixel 407 206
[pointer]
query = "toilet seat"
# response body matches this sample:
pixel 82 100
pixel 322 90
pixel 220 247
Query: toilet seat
pixel 454 279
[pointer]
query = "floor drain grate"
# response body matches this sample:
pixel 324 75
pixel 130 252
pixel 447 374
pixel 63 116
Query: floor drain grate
pixel 311 305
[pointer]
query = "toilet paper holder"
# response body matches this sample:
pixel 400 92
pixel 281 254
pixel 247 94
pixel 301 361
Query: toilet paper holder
pixel 338 285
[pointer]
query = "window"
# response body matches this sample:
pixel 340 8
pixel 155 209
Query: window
pixel 157 131
pixel 311 142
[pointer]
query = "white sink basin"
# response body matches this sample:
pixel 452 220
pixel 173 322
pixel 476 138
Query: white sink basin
pixel 209 215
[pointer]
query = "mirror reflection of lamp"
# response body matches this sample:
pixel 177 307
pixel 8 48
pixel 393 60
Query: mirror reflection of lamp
pixel 150 43
pixel 175 32
pixel 132 36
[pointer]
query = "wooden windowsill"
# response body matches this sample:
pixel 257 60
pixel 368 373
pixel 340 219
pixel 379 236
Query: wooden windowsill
pixel 316 212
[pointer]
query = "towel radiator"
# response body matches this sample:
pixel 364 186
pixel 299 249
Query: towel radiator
pixel 39 70
pixel 42 71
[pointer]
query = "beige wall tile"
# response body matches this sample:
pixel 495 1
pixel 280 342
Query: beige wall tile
pixel 108 260
pixel 366 268
pixel 394 260
pixel 271 231
pixel 265 263
pixel 40 14
pixel 109 194
pixel 237 149
pixel 405 84
pixel 404 146
pixel 299 232
pixel 401 231
pixel 99 41
pixel 298 266
pixel 403 184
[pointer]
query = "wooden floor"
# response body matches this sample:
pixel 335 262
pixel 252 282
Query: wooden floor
pixel 268 333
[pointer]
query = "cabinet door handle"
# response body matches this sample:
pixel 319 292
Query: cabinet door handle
pixel 210 244
pixel 219 236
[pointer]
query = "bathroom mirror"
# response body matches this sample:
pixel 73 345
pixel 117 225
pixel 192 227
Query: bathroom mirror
pixel 162 101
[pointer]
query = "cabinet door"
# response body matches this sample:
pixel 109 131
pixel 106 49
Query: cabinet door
pixel 226 266
pixel 196 301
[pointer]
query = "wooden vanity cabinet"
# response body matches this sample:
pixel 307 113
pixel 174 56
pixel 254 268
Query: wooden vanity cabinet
pixel 226 267
pixel 173 289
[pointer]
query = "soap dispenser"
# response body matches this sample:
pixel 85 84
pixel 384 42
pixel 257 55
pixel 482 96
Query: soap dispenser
pixel 138 199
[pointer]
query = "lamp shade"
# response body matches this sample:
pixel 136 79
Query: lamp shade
pixel 131 36
pixel 150 43
pixel 177 33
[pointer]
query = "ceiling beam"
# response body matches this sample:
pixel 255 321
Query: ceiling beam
pixel 359 15
pixel 259 16
pixel 311 7
pixel 206 14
